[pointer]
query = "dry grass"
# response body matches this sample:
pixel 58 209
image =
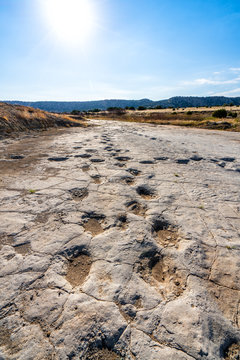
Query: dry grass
pixel 14 118
pixel 199 118
pixel 194 109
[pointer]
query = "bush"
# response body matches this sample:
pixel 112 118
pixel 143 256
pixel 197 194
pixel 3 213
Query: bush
pixel 189 112
pixel 158 107
pixel 75 112
pixel 221 113
pixel 233 115
pixel 141 108
pixel 116 110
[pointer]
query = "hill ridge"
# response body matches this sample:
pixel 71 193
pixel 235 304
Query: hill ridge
pixel 176 101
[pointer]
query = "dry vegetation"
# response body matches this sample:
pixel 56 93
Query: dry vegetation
pixel 191 117
pixel 15 118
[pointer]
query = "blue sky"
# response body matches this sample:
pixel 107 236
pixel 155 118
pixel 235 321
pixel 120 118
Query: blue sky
pixel 129 49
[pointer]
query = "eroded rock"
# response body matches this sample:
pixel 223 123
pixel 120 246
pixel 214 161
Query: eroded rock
pixel 94 268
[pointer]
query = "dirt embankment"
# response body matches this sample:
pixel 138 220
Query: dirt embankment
pixel 15 118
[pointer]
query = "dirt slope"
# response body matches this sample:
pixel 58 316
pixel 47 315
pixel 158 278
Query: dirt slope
pixel 15 118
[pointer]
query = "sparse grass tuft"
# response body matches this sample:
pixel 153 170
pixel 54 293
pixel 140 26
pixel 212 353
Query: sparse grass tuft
pixel 31 191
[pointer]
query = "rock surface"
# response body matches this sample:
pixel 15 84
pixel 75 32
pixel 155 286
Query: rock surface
pixel 127 249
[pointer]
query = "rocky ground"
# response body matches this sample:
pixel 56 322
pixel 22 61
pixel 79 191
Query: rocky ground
pixel 120 241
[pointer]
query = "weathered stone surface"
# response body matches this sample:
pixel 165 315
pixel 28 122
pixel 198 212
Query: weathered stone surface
pixel 128 250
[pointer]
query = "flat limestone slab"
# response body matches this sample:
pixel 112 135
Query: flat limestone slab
pixel 120 241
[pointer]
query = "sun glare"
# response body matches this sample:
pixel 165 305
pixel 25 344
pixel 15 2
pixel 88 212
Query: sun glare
pixel 71 21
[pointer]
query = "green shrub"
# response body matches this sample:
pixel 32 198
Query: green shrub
pixel 233 115
pixel 75 112
pixel 129 108
pixel 141 108
pixel 116 110
pixel 221 113
pixel 189 112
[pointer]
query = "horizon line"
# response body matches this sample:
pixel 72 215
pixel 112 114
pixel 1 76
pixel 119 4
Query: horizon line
pixel 116 99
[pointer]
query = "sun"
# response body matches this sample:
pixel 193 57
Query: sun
pixel 71 21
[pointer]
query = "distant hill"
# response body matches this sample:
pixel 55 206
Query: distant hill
pixel 177 101
pixel 194 101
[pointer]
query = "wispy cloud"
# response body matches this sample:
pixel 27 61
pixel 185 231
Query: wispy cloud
pixel 234 92
pixel 204 81
pixel 235 69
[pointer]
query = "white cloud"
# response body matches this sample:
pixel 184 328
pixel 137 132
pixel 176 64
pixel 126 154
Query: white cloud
pixel 235 69
pixel 234 92
pixel 204 81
